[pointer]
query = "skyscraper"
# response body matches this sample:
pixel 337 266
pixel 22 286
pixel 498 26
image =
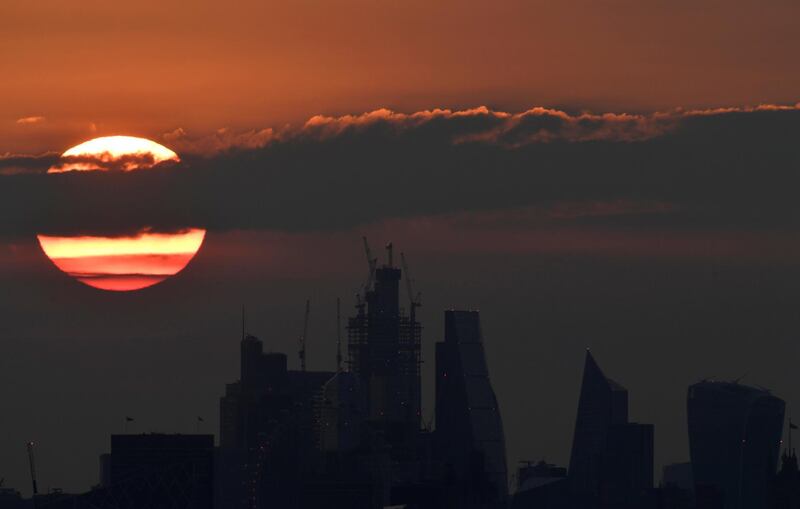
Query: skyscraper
pixel 339 410
pixel 734 440
pixel 611 464
pixel 469 429
pixel 603 403
pixel 267 440
pixel 384 353
pixel 628 465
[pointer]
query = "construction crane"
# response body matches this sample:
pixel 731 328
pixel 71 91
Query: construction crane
pixel 33 472
pixel 415 300
pixel 372 263
pixel 302 352
pixel 338 334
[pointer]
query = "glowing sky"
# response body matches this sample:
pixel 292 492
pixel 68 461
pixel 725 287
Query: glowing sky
pixel 683 243
pixel 150 67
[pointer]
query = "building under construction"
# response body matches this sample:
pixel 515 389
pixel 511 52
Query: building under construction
pixel 384 353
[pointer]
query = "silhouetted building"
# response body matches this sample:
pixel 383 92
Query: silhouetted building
pixel 153 470
pixel 352 439
pixel 384 354
pixel 611 464
pixel 170 471
pixel 784 491
pixel 531 474
pixel 11 499
pixel 267 421
pixel 384 348
pixel 734 439
pixel 541 486
pixel 603 403
pixel 469 429
pixel 340 414
pixel 628 465
pixel 679 474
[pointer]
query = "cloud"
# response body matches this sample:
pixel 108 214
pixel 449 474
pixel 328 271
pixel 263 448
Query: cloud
pixel 11 164
pixel 221 140
pixel 481 124
pixel 30 120
pixel 734 169
pixel 106 162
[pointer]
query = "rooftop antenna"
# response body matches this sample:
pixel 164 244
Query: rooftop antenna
pixel 243 333
pixel 302 352
pixel 33 473
pixel 390 252
pixel 338 335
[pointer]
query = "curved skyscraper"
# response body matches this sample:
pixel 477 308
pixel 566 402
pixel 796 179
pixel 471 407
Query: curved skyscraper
pixel 734 440
pixel 469 430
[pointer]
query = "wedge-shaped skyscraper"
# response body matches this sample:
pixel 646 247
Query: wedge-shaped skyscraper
pixel 612 459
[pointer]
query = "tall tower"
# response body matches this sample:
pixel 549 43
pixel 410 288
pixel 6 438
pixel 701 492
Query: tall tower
pixel 734 440
pixel 469 429
pixel 603 403
pixel 611 464
pixel 267 444
pixel 384 351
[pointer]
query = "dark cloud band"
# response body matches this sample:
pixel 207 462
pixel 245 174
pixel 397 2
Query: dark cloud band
pixel 724 169
pixel 11 164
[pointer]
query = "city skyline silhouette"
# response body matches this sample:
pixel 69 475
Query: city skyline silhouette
pixel 364 197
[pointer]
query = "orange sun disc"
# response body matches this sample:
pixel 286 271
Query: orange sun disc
pixel 120 263
pixel 134 153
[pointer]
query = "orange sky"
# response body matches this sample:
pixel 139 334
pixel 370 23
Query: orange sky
pixel 73 70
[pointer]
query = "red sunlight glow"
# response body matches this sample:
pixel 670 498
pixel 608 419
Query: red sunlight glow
pixel 121 263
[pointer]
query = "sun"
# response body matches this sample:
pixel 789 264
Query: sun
pixel 99 153
pixel 128 262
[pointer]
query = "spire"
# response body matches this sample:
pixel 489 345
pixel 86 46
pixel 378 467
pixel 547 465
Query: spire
pixel 243 319
pixel 593 374
pixel 591 371
pixel 304 337
pixel 338 335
